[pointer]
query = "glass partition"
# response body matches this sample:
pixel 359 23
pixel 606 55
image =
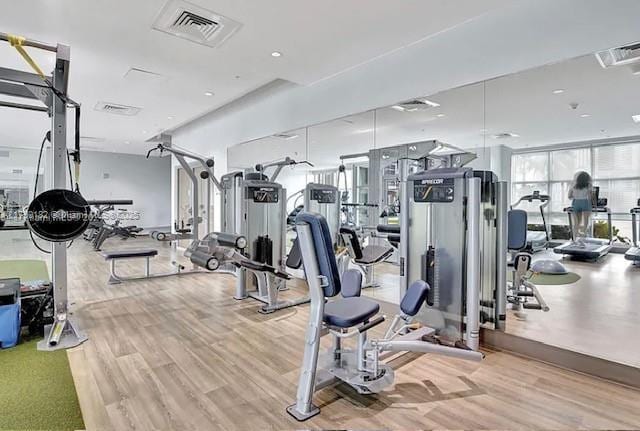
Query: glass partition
pixel 558 120
pixel 534 130
pixel 18 178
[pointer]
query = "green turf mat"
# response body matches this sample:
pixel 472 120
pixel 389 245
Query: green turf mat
pixel 25 269
pixel 37 391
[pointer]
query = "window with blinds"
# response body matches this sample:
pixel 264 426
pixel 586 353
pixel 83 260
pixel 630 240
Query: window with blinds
pixel 614 167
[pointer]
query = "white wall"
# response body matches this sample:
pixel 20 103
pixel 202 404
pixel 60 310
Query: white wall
pixel 526 34
pixel 145 181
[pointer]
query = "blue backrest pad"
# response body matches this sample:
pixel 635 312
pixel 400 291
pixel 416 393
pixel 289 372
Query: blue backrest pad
pixel 517 229
pixel 414 298
pixel 323 246
pixel 351 283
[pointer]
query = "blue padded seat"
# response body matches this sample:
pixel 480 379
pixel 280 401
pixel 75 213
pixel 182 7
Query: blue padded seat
pixel 348 312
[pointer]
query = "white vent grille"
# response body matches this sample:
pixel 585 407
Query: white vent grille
pixel 620 56
pixel 191 22
pixel 415 105
pixel 17 171
pixel 285 136
pixel 114 108
pixel 505 135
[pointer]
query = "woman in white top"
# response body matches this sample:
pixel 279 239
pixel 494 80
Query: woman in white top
pixel 580 194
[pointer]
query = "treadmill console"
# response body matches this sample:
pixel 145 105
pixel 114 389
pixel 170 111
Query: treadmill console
pixel 265 195
pixel 434 190
pixel 324 196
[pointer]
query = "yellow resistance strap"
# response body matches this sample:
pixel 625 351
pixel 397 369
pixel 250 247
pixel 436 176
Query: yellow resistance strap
pixel 16 42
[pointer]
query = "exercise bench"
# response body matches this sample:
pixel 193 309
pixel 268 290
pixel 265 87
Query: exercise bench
pixel 113 256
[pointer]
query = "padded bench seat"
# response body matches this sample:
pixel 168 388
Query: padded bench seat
pixel 373 254
pixel 349 312
pixel 123 254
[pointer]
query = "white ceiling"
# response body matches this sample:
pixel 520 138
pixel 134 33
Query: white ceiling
pixel 522 103
pixel 108 37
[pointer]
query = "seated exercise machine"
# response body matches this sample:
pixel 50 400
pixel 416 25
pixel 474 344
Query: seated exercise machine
pixel 521 293
pixel 536 240
pixel 633 254
pixel 449 288
pixel 590 249
pixel 351 316
pixel 254 206
pixel 364 257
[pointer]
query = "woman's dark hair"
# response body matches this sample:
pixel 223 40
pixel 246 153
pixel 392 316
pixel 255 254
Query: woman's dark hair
pixel 582 180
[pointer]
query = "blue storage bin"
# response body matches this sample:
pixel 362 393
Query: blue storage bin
pixel 9 312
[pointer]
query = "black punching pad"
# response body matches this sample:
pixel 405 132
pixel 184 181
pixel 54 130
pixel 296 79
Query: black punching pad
pixel 58 215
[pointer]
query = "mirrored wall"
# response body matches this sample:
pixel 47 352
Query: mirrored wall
pixel 535 130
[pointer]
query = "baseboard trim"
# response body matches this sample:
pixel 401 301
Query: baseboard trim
pixel 563 358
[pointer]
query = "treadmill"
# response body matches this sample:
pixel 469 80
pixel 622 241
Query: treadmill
pixel 633 254
pixel 536 240
pixel 593 248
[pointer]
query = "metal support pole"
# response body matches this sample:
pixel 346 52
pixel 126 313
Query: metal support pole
pixel 33 43
pixel 62 333
pixel 23 106
pixel 501 257
pixel 473 264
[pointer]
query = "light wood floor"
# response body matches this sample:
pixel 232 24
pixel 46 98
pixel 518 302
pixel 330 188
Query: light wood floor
pixel 599 315
pixel 180 353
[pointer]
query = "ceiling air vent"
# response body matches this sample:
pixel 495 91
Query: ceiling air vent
pixel 415 105
pixel 285 136
pixel 17 171
pixel 114 108
pixel 621 56
pixel 505 135
pixel 191 22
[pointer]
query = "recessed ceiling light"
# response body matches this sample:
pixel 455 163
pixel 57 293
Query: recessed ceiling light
pixel 127 142
pixel 558 91
pixel 585 115
pixel 144 131
pixel 208 93
pixel 276 54
pixel 398 108
pixel 440 115
pixel 636 118
pixel 169 118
